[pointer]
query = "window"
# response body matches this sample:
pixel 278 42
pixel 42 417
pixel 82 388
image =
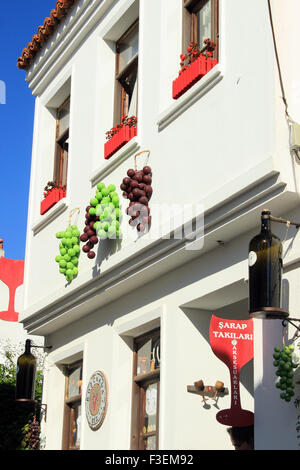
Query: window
pixel 146 382
pixel 126 73
pixel 62 144
pixel 200 21
pixel 72 407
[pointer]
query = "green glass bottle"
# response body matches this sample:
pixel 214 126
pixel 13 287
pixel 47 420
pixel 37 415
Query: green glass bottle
pixel 265 272
pixel 26 372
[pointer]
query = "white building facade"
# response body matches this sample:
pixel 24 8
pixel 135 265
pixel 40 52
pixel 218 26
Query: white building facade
pixel 219 154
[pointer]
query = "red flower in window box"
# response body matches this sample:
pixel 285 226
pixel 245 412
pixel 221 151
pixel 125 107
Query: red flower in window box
pixel 194 65
pixel 119 135
pixel 52 194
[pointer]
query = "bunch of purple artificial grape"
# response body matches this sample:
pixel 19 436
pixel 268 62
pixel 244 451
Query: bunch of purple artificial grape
pixel 89 236
pixel 33 435
pixel 136 187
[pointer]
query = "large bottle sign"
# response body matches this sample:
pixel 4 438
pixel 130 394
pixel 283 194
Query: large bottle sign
pixel 232 342
pixel 12 274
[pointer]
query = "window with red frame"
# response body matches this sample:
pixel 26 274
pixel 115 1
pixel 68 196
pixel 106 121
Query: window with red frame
pixel 200 21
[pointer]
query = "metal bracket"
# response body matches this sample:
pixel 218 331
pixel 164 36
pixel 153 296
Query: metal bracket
pixel 41 347
pixel 283 221
pixel 289 320
pixel 43 407
pixel 35 405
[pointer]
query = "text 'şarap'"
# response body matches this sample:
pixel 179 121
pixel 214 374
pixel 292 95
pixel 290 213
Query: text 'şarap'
pixel 233 334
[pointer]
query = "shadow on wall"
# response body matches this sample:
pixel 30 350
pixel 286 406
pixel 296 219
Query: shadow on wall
pixel 165 284
pixel 106 249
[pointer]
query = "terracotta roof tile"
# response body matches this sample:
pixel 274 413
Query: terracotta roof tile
pixel 44 31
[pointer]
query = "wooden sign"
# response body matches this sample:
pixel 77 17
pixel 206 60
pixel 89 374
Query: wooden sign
pixel 232 342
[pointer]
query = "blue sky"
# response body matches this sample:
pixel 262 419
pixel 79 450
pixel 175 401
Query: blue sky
pixel 19 20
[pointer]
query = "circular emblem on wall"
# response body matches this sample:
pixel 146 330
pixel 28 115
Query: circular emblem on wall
pixel 96 400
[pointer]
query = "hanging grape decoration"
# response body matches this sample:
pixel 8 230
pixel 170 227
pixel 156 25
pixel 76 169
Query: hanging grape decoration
pixel 102 218
pixel 32 437
pixel 34 440
pixel 108 211
pixel 285 364
pixel 137 188
pixel 89 236
pixel 69 250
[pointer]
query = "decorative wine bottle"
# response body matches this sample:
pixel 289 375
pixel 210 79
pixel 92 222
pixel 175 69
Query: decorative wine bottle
pixel 26 371
pixel 265 272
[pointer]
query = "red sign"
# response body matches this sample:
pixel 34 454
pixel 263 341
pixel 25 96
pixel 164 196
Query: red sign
pixel 11 273
pixel 232 342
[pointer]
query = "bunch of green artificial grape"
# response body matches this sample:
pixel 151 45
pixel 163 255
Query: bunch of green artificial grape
pixel 106 206
pixel 285 370
pixel 69 252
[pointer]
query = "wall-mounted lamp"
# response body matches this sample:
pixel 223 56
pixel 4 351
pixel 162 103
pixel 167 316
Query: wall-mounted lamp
pixel 265 271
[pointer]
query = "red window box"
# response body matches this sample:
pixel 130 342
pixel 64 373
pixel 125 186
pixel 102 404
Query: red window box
pixel 192 74
pixel 52 197
pixel 118 140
